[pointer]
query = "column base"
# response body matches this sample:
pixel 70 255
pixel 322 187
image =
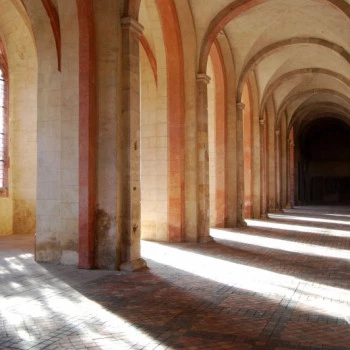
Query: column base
pixel 263 216
pixel 134 265
pixel 206 239
pixel 242 224
pixel 289 206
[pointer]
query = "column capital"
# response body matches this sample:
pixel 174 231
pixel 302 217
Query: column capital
pixel 277 133
pixel 203 78
pixel 262 122
pixel 240 105
pixel 131 24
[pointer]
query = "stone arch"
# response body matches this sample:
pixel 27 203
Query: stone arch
pixel 303 111
pixel 295 97
pixel 270 49
pixel 233 10
pixel 280 80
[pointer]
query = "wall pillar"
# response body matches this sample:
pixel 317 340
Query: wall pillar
pixel 129 198
pixel 203 214
pixel 240 165
pixel 278 170
pixel 263 189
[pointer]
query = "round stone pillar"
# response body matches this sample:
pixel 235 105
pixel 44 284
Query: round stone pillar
pixel 240 164
pixel 203 214
pixel 129 198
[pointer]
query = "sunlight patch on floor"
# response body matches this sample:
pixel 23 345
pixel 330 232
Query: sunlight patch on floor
pixel 317 297
pixel 297 228
pixel 280 244
pixel 307 219
pixel 39 305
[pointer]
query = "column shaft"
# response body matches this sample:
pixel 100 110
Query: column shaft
pixel 129 209
pixel 263 189
pixel 278 170
pixel 291 173
pixel 240 165
pixel 202 159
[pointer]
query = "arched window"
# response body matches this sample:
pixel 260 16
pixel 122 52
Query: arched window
pixel 3 132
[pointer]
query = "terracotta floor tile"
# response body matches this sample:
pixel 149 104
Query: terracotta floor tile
pixel 261 287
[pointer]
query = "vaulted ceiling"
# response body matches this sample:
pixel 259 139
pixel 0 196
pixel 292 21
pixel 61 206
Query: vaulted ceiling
pixel 299 50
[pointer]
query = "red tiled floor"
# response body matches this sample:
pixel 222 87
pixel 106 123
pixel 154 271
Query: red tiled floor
pixel 261 287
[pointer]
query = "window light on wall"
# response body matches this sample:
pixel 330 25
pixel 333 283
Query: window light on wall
pixel 3 152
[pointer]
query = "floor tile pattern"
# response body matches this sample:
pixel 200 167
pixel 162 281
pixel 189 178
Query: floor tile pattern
pixel 280 283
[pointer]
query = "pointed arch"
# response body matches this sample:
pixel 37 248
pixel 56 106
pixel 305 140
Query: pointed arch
pixel 233 10
pixel 270 49
pixel 290 99
pixel 280 80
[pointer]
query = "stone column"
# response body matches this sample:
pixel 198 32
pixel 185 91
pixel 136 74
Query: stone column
pixel 240 164
pixel 278 170
pixel 263 189
pixel 129 199
pixel 202 159
pixel 291 174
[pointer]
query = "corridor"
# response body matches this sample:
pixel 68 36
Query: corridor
pixel 280 283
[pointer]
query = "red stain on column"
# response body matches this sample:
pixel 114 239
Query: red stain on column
pixel 176 108
pixel 87 134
